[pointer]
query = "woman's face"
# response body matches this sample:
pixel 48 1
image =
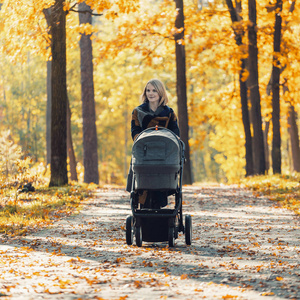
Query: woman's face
pixel 151 93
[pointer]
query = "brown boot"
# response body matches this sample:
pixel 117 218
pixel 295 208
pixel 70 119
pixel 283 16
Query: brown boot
pixel 143 197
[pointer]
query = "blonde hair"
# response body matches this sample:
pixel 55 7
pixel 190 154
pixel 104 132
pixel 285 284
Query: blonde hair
pixel 161 90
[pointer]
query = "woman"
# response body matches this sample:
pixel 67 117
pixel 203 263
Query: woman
pixel 153 112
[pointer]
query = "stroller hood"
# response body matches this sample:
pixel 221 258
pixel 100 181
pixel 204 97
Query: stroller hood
pixel 156 159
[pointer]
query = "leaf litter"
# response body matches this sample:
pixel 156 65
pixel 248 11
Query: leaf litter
pixel 244 247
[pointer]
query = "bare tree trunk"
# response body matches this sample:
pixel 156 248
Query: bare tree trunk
pixel 181 91
pixel 70 149
pixel 252 83
pixel 90 154
pixel 294 135
pixel 293 127
pixel 48 114
pixel 293 130
pixel 59 173
pixel 243 91
pixel 267 151
pixel 276 145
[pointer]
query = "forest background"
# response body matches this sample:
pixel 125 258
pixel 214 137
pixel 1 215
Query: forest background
pixel 133 42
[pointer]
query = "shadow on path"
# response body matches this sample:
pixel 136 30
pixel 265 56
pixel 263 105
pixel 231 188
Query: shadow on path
pixel 242 245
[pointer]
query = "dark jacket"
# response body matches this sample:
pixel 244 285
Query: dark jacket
pixel 143 118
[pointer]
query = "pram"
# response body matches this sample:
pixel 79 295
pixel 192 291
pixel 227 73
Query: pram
pixel 157 165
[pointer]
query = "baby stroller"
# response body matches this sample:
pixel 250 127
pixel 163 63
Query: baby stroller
pixel 157 165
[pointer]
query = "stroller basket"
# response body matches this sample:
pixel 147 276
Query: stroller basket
pixel 156 160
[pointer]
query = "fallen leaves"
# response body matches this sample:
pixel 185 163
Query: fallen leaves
pixel 41 208
pixel 102 262
pixel 267 294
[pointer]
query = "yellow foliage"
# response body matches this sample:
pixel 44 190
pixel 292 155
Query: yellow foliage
pixel 133 44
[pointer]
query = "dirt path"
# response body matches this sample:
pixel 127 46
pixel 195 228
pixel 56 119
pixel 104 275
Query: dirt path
pixel 243 248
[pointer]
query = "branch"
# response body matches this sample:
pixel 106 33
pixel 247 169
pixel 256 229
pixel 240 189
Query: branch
pixel 234 19
pixel 84 12
pixel 151 51
pixel 270 83
pixel 159 34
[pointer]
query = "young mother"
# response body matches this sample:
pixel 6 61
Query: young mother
pixel 153 111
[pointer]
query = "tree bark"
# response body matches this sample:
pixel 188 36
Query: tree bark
pixel 48 114
pixel 253 87
pixel 294 135
pixel 276 144
pixel 90 154
pixel 243 91
pixel 181 91
pixel 59 174
pixel 293 131
pixel 267 151
pixel 70 149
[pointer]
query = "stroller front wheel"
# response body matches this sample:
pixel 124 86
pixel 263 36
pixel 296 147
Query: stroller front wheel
pixel 138 236
pixel 188 229
pixel 129 230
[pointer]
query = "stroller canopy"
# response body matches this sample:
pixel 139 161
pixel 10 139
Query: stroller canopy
pixel 156 146
pixel 156 159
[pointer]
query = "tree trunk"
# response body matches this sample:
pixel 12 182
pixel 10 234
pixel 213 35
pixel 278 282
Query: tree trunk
pixel 90 155
pixel 252 83
pixel 293 129
pixel 59 174
pixel 276 151
pixel 294 135
pixel 246 123
pixel 243 91
pixel 70 149
pixel 181 91
pixel 48 114
pixel 267 152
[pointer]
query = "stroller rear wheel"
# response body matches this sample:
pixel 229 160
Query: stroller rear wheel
pixel 188 229
pixel 138 236
pixel 129 230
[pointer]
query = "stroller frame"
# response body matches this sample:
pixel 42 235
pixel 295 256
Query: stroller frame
pixel 158 225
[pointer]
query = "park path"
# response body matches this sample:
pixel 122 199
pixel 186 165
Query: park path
pixel 244 247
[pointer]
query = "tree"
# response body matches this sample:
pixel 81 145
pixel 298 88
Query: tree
pixel 253 87
pixel 70 148
pixel 48 114
pixel 181 89
pixel 239 33
pixel 276 151
pixel 292 115
pixel 57 21
pixel 294 136
pixel 90 154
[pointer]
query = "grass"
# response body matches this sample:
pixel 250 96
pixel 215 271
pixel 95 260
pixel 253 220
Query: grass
pixel 285 189
pixel 26 212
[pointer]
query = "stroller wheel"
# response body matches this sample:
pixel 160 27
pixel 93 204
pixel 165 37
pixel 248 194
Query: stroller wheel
pixel 129 230
pixel 188 229
pixel 138 236
pixel 171 237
